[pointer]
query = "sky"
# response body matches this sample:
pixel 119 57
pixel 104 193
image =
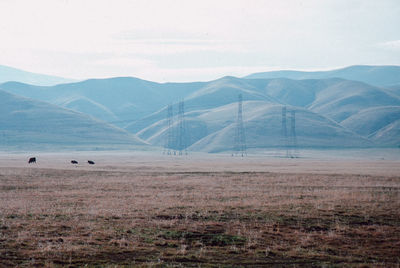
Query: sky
pixel 192 40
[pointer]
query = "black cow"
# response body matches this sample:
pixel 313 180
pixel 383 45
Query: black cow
pixel 74 162
pixel 32 160
pixel 90 162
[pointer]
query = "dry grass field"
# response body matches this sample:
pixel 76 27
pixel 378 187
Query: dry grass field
pixel 196 211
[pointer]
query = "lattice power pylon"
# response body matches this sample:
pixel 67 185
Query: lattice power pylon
pixel 168 146
pixel 182 138
pixel 293 137
pixel 289 142
pixel 284 132
pixel 240 138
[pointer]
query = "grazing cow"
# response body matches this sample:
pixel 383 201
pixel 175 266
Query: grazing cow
pixel 32 160
pixel 90 162
pixel 74 162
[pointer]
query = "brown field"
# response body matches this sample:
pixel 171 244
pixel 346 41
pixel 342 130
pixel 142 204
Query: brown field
pixel 142 210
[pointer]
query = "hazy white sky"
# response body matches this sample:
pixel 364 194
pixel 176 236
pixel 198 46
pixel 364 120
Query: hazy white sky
pixel 185 40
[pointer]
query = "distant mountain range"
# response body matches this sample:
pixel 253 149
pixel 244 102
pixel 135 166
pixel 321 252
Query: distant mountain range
pixel 118 100
pixel 12 74
pixel 320 105
pixel 213 130
pixel 374 75
pixel 331 111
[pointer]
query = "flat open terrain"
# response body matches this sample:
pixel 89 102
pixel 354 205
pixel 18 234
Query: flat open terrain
pixel 198 210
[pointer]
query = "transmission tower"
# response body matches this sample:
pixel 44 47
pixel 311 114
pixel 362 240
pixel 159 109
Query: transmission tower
pixel 169 137
pixel 284 132
pixel 240 138
pixel 182 129
pixel 293 138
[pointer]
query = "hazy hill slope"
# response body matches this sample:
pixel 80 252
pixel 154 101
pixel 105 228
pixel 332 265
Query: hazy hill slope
pixel 334 98
pixel 300 93
pixel 13 74
pixel 374 75
pixel 89 107
pixel 30 122
pixel 112 100
pixel 369 121
pixel 226 90
pixel 213 129
pixel 388 135
pixel 211 95
pixel 343 99
pixel 199 123
pixel 263 129
pixel 140 106
pixel 395 89
pixel 134 100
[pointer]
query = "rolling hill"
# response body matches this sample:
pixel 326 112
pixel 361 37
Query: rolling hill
pixel 214 129
pixel 333 98
pixel 12 74
pixel 395 89
pixel 380 124
pixel 388 135
pixel 213 94
pixel 114 100
pixel 369 121
pixel 374 75
pixel 345 98
pixel 331 112
pixel 34 124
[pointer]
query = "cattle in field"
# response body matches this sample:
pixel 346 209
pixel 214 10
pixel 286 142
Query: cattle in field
pixel 74 162
pixel 32 160
pixel 90 162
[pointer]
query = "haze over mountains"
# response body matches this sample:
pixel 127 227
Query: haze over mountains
pixel 375 75
pixel 358 106
pixel 12 74
pixel 111 100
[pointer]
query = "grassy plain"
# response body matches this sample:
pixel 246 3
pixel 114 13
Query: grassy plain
pixel 142 210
